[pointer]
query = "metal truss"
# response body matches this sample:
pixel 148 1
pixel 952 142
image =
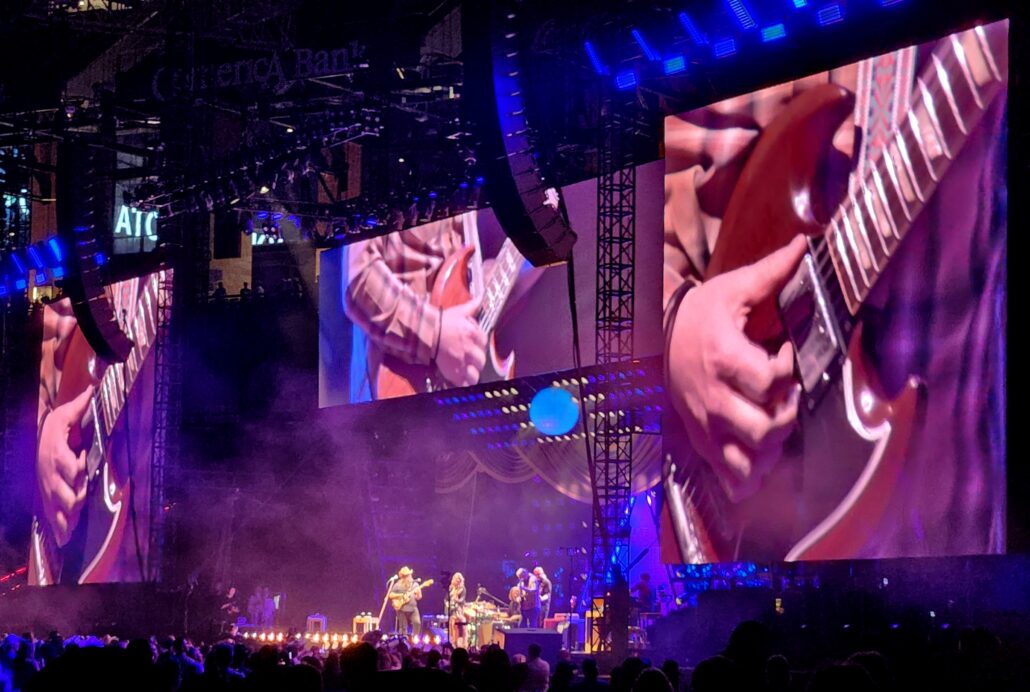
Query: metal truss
pixel 612 437
pixel 167 417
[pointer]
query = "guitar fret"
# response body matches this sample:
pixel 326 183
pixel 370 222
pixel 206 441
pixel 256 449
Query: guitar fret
pixel 945 82
pixel 856 252
pixel 878 183
pixel 988 54
pixel 899 142
pixel 935 123
pixel 842 257
pixel 856 213
pixel 881 229
pixel 960 56
pixel 916 132
pixel 892 173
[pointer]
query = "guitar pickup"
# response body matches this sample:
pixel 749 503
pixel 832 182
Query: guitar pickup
pixel 812 328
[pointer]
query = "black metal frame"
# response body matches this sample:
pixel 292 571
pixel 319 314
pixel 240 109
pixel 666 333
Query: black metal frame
pixel 612 437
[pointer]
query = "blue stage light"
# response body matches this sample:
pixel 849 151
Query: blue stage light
pixel 692 29
pixel 55 248
pixel 649 52
pixel 774 33
pixel 723 49
pixel 595 59
pixel 626 80
pixel 742 13
pixel 674 65
pixel 800 4
pixel 553 411
pixel 830 14
pixel 37 261
pixel 100 258
pixel 888 3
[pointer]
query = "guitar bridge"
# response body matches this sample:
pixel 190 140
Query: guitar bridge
pixel 813 329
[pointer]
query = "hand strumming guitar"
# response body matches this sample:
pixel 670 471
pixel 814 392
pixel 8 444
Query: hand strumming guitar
pixel 461 353
pixel 61 473
pixel 738 403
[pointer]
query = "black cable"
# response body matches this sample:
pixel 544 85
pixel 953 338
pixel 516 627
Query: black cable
pixel 129 459
pixel 577 364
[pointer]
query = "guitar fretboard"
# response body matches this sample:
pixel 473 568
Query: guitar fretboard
pixel 498 287
pixel 951 95
pixel 140 307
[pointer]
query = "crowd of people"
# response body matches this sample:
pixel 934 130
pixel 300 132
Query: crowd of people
pixel 972 660
pixel 288 287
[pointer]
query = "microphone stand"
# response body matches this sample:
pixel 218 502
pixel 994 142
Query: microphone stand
pixel 483 592
pixel 386 597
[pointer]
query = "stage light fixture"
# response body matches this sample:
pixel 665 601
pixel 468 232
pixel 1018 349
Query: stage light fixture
pixel 674 65
pixel 830 14
pixel 595 59
pixel 774 33
pixel 692 30
pixel 800 4
pixel 724 48
pixel 626 79
pixel 649 52
pixel 742 13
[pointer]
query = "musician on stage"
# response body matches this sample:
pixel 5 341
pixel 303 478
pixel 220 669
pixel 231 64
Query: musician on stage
pixel 529 597
pixel 404 597
pixel 646 599
pixel 457 623
pixel 545 593
pixel 515 605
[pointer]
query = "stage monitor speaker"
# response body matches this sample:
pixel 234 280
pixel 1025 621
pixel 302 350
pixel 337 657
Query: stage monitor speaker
pixel 518 192
pixel 517 641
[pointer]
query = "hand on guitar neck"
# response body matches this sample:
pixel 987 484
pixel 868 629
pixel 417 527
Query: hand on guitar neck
pixel 60 472
pixel 738 402
pixel 461 353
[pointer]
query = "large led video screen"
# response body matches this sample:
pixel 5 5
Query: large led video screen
pixel 835 312
pixel 452 303
pixel 92 498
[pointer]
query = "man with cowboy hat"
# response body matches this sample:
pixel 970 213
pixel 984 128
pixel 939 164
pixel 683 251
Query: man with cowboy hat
pixel 404 596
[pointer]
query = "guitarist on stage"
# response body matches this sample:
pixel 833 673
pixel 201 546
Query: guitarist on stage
pixel 404 597
pixel 938 312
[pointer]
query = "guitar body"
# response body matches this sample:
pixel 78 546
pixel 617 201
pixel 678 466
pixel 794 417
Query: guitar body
pixel 92 551
pixel 828 496
pixel 397 378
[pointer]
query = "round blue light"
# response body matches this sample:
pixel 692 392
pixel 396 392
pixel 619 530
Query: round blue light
pixel 553 411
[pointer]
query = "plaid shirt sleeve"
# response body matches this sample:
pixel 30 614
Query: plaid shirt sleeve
pixel 398 319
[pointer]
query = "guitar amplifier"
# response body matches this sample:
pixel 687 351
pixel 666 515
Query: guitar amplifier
pixel 316 624
pixel 518 641
pixel 364 623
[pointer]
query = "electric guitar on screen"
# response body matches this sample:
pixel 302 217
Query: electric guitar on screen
pixel 830 501
pixel 403 599
pixel 397 378
pixel 92 551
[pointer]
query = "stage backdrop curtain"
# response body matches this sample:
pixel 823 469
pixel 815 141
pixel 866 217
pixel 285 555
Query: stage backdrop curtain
pixel 562 464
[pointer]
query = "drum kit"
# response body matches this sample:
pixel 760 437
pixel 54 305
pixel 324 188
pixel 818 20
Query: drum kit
pixel 481 616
